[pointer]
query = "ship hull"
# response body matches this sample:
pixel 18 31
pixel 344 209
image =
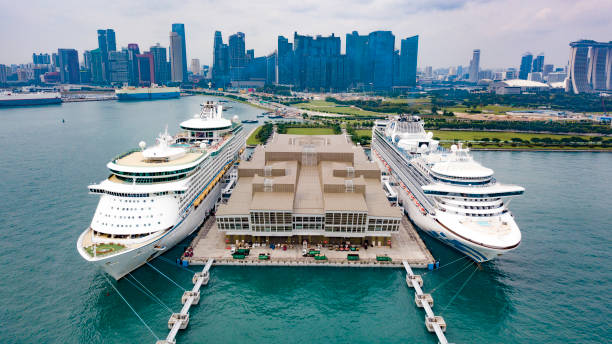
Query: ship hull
pixel 29 102
pixel 123 263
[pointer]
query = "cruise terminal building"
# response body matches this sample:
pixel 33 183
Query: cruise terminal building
pixel 321 189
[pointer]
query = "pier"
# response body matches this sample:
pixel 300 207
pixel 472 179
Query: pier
pixel 179 321
pixel 432 322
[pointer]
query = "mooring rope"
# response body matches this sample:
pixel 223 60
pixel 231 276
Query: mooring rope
pixel 450 278
pixel 133 310
pixel 169 279
pixel 171 262
pixel 459 291
pixel 445 265
pixel 148 293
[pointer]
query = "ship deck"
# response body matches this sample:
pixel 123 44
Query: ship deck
pixel 136 159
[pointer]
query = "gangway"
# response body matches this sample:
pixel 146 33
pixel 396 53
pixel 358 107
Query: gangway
pixel 432 322
pixel 179 321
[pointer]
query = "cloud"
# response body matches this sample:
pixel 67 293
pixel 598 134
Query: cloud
pixel 449 29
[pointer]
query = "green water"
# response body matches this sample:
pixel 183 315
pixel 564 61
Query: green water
pixel 554 288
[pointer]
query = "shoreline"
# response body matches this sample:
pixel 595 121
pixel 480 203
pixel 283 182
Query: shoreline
pixel 543 150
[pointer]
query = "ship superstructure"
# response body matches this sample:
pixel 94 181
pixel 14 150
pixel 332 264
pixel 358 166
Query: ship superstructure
pixel 446 193
pixel 157 196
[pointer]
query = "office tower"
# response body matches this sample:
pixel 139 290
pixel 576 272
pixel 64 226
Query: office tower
pixel 250 54
pixel 356 56
pixel 609 68
pixel 55 60
pixel 68 66
pixel 317 62
pixel 284 62
pixel 180 30
pixel 220 70
pixel 474 66
pixel 538 64
pixel 408 60
pixel 106 43
pixel 132 51
pixel 176 58
pixel 535 76
pixel 87 60
pixel 548 68
pixel 160 62
pixel 146 69
pixel 271 69
pixel 85 76
pixel 3 74
pixel 597 66
pixel 396 68
pixel 526 63
pixel 237 56
pixel 195 66
pixel 97 67
pixel 381 46
pixel 118 62
pixel 41 58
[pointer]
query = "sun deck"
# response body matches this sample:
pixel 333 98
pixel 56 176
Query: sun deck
pixel 136 159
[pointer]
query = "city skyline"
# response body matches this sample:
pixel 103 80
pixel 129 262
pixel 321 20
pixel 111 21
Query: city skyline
pixel 502 42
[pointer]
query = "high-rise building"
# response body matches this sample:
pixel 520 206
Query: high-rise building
pixel 180 30
pixel 317 62
pixel 69 66
pixel 132 51
pixel 538 64
pixel 381 47
pixel 146 69
pixel 237 57
pixel 250 54
pixel 87 60
pixel 41 58
pixel 590 66
pixel 526 63
pixel 195 66
pixel 408 61
pixel 474 66
pixel 118 62
pixel 356 56
pixel 106 43
pixel 3 74
pixel 160 62
pixel 220 70
pixel 284 62
pixel 176 58
pixel 97 67
pixel 548 68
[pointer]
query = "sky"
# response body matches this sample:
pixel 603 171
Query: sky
pixel 448 29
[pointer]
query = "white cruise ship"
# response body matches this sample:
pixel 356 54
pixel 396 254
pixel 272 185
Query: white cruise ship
pixel 447 194
pixel 157 196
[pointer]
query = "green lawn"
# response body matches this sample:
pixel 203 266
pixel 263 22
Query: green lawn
pixel 464 135
pixel 329 107
pixel 102 249
pixel 492 109
pixel 310 131
pixel 363 132
pixel 252 140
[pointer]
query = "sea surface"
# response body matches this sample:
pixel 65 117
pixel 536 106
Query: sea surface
pixel 555 288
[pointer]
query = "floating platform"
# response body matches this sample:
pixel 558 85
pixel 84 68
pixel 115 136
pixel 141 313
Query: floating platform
pixel 406 245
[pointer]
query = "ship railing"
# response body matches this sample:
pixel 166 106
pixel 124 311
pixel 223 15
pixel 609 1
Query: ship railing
pixel 123 155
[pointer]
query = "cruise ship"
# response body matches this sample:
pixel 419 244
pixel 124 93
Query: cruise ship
pixel 157 196
pixel 27 99
pixel 446 193
pixel 147 93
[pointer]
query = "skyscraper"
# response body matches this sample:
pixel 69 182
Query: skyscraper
pixel 106 43
pixel 180 30
pixel 133 50
pixel 356 56
pixel 408 60
pixel 538 64
pixel 160 62
pixel 97 67
pixel 69 66
pixel 195 66
pixel 177 59
pixel 590 66
pixel 220 70
pixel 118 62
pixel 474 66
pixel 284 62
pixel 237 56
pixel 597 66
pixel 41 58
pixel 87 60
pixel 526 63
pixel 381 47
pixel 146 69
pixel 316 62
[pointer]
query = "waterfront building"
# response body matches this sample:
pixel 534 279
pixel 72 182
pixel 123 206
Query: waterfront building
pixel 315 188
pixel 318 64
pixel 220 71
pixel 87 60
pixel 195 67
pixel 68 66
pixel 356 56
pixel 474 66
pixel 284 62
pixel 3 73
pixel 133 50
pixel 106 43
pixel 237 57
pixel 84 75
pixel 526 64
pixel 180 30
pixel 146 69
pixel 597 66
pixel 381 47
pixel 97 67
pixel 118 63
pixel 176 58
pixel 590 66
pixel 408 60
pixel 538 64
pixel 160 63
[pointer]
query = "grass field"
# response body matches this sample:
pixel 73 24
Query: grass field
pixel 363 132
pixel 494 109
pixel 310 131
pixel 252 140
pixel 501 135
pixel 329 107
